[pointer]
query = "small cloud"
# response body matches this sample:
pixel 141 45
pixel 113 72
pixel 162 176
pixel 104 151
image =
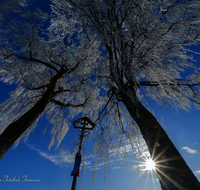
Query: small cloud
pixel 197 172
pixel 56 159
pixel 115 168
pixel 60 159
pixel 189 150
pixel 92 169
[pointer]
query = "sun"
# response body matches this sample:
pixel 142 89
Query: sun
pixel 149 165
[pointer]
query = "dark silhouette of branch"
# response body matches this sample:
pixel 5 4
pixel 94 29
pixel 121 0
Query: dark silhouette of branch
pixel 154 83
pixel 68 105
pixel 37 88
pixel 104 108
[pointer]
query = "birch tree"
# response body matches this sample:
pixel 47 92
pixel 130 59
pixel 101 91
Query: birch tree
pixel 47 68
pixel 147 46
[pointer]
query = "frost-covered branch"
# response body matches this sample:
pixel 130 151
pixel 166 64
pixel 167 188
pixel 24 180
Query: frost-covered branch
pixel 35 60
pixel 77 64
pixel 186 96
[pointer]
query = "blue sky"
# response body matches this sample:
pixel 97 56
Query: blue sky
pixel 52 171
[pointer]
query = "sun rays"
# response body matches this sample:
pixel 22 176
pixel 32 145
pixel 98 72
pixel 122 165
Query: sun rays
pixel 155 166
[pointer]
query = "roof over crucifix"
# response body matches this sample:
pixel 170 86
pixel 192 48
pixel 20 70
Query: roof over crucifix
pixel 82 119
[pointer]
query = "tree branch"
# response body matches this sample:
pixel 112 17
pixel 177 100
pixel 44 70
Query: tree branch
pixel 154 83
pixel 37 87
pixel 67 105
pixel 36 60
pixel 60 91
pixel 186 96
pixel 104 108
pixel 76 66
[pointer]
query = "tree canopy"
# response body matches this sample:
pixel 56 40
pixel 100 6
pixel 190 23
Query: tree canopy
pixel 31 56
pixel 147 46
pixel 148 42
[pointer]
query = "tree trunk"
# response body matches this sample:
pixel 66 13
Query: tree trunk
pixel 171 169
pixel 15 129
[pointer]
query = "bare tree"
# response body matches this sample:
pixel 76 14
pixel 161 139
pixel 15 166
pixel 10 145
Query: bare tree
pixel 146 44
pixel 47 68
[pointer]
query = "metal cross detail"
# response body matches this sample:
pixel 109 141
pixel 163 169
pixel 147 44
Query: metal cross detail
pixel 84 121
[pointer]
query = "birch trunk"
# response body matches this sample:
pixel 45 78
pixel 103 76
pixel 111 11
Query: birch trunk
pixel 171 169
pixel 15 129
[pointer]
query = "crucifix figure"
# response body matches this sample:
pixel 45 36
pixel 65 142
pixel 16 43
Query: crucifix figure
pixel 84 121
